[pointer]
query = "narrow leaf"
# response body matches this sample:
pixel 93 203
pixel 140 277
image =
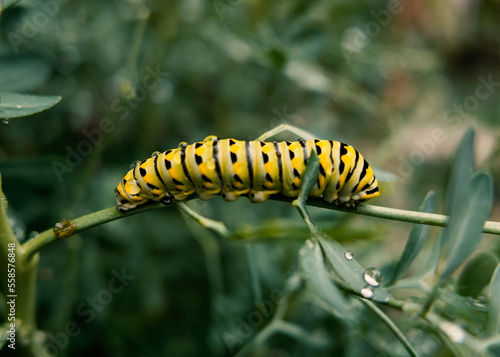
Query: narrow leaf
pixel 350 270
pixel 476 274
pixel 432 264
pixel 13 105
pixel 493 323
pixel 416 240
pixel 5 4
pixel 310 176
pixel 308 181
pixel 465 231
pixel 462 168
pixel 313 267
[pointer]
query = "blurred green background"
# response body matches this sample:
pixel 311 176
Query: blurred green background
pixel 400 81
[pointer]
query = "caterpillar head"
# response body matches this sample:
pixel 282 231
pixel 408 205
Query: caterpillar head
pixel 128 193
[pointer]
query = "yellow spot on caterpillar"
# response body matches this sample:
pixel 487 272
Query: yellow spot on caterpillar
pixel 200 151
pixel 240 169
pixel 235 148
pixel 266 148
pixel 203 167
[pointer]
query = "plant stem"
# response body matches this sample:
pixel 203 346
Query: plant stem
pixel 388 322
pixel 83 223
pixel 112 213
pixel 394 214
pixel 23 290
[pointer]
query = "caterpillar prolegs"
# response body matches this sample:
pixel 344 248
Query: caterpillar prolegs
pixel 257 169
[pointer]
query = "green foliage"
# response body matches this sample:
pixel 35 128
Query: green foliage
pixel 416 240
pixel 14 105
pixel 400 82
pixel 476 274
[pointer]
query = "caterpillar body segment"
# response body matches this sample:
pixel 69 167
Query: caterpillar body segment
pixel 232 168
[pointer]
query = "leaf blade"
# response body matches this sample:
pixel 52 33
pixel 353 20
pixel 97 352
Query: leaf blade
pixel 465 229
pixel 312 265
pixel 349 269
pixel 493 322
pixel 416 240
pixel 14 105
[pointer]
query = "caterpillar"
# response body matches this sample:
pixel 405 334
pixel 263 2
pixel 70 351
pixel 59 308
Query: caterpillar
pixel 257 169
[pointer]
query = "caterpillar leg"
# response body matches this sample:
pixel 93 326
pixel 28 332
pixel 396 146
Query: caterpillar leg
pixel 347 204
pixel 286 127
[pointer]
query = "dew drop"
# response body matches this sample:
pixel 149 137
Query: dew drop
pixel 5 121
pixel 32 234
pixel 481 301
pixel 135 164
pixel 155 154
pixel 182 145
pixel 367 292
pixel 19 233
pixel 349 255
pixel 373 276
pixel 310 244
pixel 454 332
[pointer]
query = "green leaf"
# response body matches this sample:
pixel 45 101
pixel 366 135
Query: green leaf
pixel 416 240
pixel 476 274
pixel 432 264
pixel 310 176
pixel 493 323
pixel 313 267
pixel 308 181
pixel 13 105
pixel 22 73
pixel 350 270
pixel 462 168
pixel 5 4
pixel 465 228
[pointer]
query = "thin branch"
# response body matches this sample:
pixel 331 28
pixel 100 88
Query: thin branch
pixel 83 223
pixel 112 213
pixel 392 326
pixel 394 214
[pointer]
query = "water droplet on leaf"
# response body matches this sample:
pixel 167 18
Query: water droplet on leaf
pixel 367 292
pixel 373 276
pixel 349 255
pixel 5 120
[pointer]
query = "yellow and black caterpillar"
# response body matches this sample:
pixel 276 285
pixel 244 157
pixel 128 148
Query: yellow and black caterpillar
pixel 256 169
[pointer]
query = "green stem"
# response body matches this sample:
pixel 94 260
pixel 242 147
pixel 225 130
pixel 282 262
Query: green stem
pixel 394 214
pixel 392 326
pixel 23 292
pixel 83 223
pixel 111 214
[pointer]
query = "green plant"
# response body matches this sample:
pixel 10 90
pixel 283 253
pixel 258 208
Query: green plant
pixel 353 291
